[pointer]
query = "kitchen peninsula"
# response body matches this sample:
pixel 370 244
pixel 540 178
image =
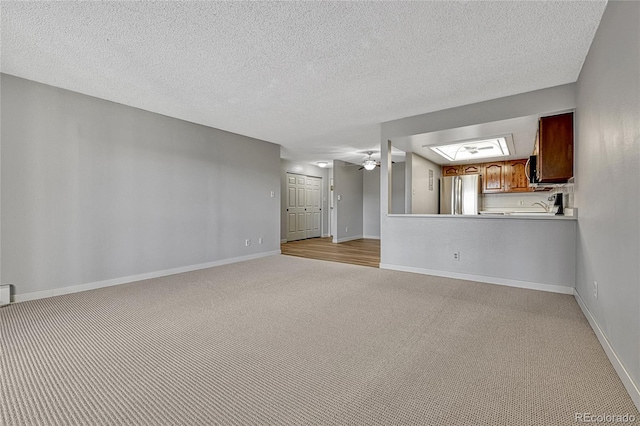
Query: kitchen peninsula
pixel 533 251
pixel 536 251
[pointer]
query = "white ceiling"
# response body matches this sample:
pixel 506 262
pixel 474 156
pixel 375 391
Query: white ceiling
pixel 315 77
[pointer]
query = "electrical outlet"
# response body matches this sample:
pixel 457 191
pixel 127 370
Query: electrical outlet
pixel 260 240
pixel 346 229
pixel 456 255
pixel 595 289
pixel 247 242
pixel 273 194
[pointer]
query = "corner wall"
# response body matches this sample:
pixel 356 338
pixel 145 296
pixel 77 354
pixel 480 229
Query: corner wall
pixel 398 171
pixel 421 199
pixel 608 184
pixel 95 192
pixel 371 203
pixel 347 182
pixel 371 198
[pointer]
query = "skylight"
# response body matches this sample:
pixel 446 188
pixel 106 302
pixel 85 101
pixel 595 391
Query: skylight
pixel 472 150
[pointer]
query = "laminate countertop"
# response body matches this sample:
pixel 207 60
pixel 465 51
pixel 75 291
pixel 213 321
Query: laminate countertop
pixel 492 216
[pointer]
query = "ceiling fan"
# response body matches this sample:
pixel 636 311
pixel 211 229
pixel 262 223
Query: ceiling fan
pixel 369 163
pixel 475 149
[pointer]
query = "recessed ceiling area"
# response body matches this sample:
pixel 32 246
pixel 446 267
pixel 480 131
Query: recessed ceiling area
pixel 521 130
pixel 474 149
pixel 315 77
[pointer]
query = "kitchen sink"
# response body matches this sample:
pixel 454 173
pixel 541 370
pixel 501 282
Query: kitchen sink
pixel 535 213
pixel 518 213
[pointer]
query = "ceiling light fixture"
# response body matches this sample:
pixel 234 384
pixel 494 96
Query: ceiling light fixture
pixel 369 163
pixel 473 149
pixel 322 164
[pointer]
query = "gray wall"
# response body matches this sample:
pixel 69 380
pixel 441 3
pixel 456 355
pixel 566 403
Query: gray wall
pixel 398 188
pixel 371 203
pixel 93 190
pixel 422 200
pixel 371 198
pixel 290 166
pixel 347 181
pixel 608 181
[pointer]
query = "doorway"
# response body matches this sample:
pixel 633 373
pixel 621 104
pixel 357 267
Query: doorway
pixel 304 207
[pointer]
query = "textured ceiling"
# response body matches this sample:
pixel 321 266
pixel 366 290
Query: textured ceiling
pixel 315 77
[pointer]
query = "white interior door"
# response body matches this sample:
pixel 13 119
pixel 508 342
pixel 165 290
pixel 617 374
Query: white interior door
pixel 313 206
pixel 296 217
pixel 304 207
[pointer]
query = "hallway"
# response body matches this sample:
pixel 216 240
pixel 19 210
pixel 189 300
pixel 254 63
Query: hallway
pixel 364 251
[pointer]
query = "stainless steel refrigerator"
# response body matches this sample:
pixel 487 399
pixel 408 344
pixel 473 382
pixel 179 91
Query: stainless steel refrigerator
pixel 460 194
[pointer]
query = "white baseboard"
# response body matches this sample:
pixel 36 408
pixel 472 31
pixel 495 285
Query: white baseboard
pixel 372 237
pixel 123 280
pixel 481 278
pixel 627 381
pixel 282 241
pixel 342 240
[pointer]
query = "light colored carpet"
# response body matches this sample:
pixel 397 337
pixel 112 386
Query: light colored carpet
pixel 291 341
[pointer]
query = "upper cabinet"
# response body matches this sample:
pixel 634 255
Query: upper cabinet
pixel 505 176
pixel 493 179
pixel 554 148
pixel 470 169
pixel 516 177
pixel 451 170
pixel 497 176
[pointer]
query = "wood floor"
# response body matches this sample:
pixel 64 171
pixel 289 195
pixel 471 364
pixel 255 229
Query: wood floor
pixel 364 252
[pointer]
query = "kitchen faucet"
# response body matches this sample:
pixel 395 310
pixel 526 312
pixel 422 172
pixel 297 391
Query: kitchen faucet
pixel 542 204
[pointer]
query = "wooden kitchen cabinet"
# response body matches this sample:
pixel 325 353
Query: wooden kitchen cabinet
pixel 516 177
pixel 497 176
pixel 470 169
pixel 493 178
pixel 450 170
pixel 462 169
pixel 555 148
